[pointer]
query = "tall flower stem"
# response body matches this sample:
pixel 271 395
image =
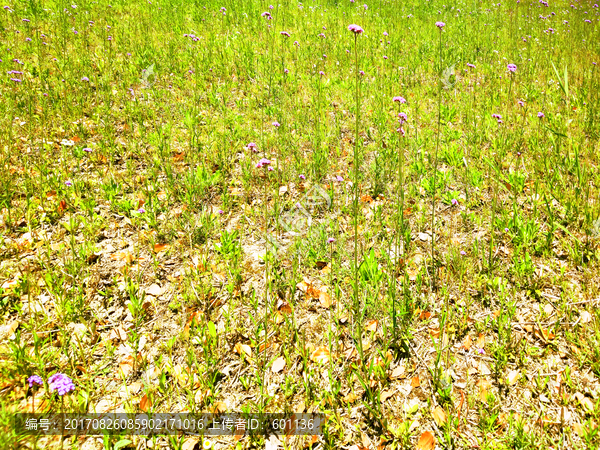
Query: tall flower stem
pixel 356 175
pixel 356 30
pixel 435 164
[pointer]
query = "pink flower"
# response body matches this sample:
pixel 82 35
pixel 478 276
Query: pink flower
pixel 263 162
pixel 321 73
pixel 355 29
pixel 512 68
pixel 541 115
pixel 399 99
pixel 285 33
pixel 302 177
pixel 276 124
pixel 440 25
pixel 251 146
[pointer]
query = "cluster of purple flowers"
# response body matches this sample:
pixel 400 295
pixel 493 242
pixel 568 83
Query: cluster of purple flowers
pixel 263 163
pixel 58 382
pixel 511 68
pixel 267 14
pixel 355 29
pixel 193 37
pixel 285 33
pixel 440 25
pixel 498 117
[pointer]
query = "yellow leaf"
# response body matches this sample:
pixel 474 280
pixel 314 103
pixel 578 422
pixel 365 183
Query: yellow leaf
pixel 439 415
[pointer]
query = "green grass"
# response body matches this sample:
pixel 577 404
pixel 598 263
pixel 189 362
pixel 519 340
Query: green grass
pixel 452 264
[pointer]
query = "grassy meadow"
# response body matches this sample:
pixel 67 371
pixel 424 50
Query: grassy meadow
pixel 240 206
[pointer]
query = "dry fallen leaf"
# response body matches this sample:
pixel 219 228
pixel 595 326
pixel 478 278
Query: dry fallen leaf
pixel 154 290
pixel 439 415
pixel 426 441
pixel 324 299
pixel 320 355
pixel 513 376
pixel 481 341
pixel 415 382
pixel 190 443
pixel 242 349
pixel 219 408
pixel 384 395
pixel 278 365
pixel 585 317
pixel 145 403
pixel 160 247
pixel 350 398
pixel 371 325
pixel 467 343
pixel 398 372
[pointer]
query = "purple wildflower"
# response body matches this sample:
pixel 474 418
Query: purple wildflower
pixel 355 29
pixel 263 162
pixel 385 33
pixel 512 68
pixel 35 379
pixel 251 146
pixel 321 72
pixel 61 383
pixel 68 183
pixel 541 115
pixel 285 33
pixel 399 99
pixel 471 65
pixel 402 117
pixel 87 150
pixel 276 124
pixel 141 210
pixel 85 79
pixel 462 252
pixel 454 202
pixel 331 240
pixel 440 25
pixel 339 178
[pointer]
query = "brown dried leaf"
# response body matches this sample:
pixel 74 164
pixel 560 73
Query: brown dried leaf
pixel 415 382
pixel 324 299
pixel 145 403
pixel 320 355
pixel 371 325
pixel 426 441
pixel 467 343
pixel 160 247
pixel 242 349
